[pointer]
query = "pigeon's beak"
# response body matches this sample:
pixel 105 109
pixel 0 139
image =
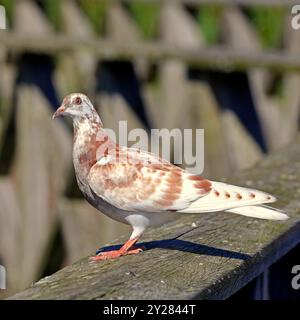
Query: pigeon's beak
pixel 59 112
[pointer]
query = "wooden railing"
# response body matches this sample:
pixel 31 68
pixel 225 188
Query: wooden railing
pixel 205 256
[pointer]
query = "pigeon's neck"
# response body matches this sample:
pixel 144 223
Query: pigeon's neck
pixel 89 116
pixel 91 143
pixel 86 125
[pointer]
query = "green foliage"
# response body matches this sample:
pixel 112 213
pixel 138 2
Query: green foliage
pixel 53 11
pixel 146 16
pixel 9 7
pixel 208 17
pixel 269 24
pixel 95 11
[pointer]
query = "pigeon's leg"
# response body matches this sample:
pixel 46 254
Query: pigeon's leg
pixel 124 250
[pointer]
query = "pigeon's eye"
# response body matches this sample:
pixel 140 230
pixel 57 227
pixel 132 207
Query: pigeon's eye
pixel 78 101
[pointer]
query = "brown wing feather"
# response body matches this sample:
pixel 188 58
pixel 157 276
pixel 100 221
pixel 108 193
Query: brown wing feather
pixel 150 185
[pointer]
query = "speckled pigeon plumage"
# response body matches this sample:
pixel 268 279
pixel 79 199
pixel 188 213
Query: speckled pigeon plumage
pixel 140 189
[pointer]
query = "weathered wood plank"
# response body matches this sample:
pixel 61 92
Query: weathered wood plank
pixel 113 105
pixel 41 145
pixel 180 31
pixel 10 232
pixel 212 260
pixel 206 114
pixel 273 110
pixel 77 66
pixel 177 29
pixel 242 150
pixel 39 26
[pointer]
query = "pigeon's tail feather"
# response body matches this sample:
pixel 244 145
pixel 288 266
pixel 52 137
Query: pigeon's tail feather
pixel 260 212
pixel 239 200
pixel 224 196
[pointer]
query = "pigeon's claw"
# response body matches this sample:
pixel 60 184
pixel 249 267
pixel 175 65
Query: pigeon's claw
pixel 114 254
pixel 126 249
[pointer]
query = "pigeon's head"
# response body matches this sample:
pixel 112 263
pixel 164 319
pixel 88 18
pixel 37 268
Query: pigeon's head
pixel 78 107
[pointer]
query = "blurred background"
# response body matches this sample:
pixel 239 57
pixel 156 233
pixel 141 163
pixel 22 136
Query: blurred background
pixel 226 66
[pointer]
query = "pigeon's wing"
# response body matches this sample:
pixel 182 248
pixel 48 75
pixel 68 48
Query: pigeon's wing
pixel 135 180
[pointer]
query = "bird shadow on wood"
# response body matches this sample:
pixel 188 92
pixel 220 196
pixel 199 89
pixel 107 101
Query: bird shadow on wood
pixel 185 246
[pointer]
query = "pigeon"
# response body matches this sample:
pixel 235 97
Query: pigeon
pixel 141 189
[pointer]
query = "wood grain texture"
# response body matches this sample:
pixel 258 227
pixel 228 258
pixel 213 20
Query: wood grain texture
pixel 207 256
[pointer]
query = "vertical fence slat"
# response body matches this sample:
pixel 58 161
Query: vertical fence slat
pixel 86 229
pixel 10 235
pixel 39 174
pixel 240 35
pixel 82 64
pixel 113 106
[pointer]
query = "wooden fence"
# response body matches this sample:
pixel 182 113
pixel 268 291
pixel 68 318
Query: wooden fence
pixel 162 82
